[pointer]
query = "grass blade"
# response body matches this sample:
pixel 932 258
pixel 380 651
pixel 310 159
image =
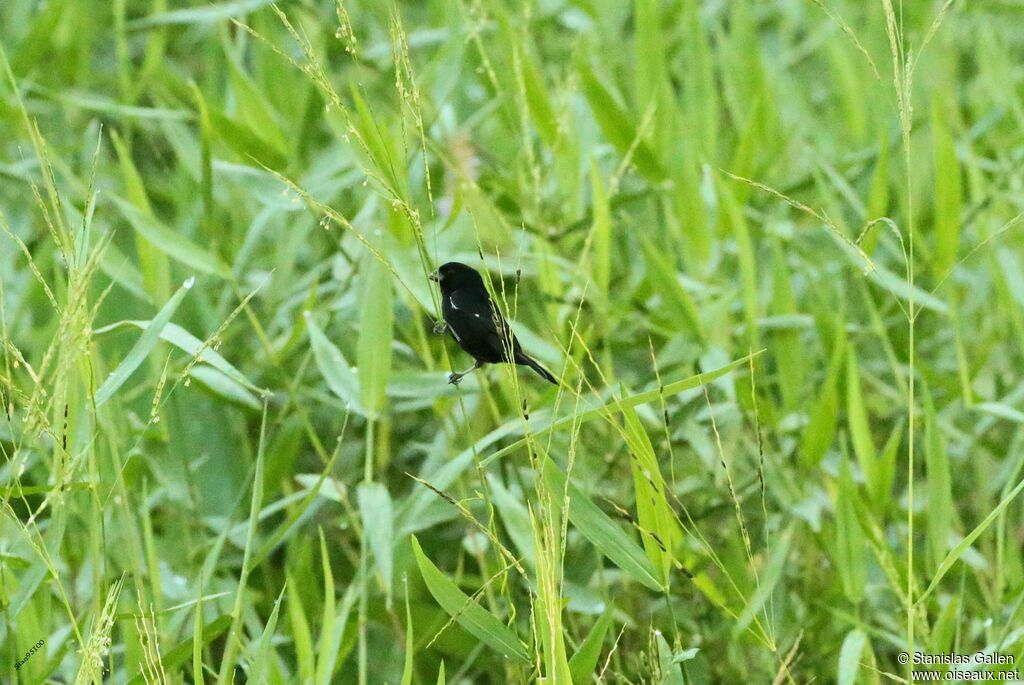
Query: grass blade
pixel 137 354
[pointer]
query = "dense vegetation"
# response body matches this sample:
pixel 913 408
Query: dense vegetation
pixel 772 250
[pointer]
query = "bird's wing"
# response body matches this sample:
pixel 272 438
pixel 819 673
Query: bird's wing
pixel 475 323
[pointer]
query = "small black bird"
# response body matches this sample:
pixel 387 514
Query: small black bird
pixel 475 322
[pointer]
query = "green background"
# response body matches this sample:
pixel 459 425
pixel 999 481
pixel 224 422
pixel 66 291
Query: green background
pixel 771 249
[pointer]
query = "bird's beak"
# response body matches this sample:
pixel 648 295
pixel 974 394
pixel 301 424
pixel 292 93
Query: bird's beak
pixel 434 276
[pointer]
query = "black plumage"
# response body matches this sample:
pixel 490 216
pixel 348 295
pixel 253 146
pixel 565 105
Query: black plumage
pixel 472 318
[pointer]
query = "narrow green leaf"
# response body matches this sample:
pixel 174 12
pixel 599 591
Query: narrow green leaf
pixel 878 195
pixel 538 101
pixel 787 350
pixel 263 647
pixel 851 561
pixel 663 276
pixel 326 653
pixel 770 577
pixel 410 645
pixel 941 513
pixel 583 663
pixel 617 125
pixel 180 653
pixel 137 354
pixel 732 214
pixel 198 676
pixel 821 428
pixel 301 634
pixel 659 531
pixel 895 285
pixel 948 195
pixel 376 322
pixel 601 229
pixel 857 421
pixel 475 619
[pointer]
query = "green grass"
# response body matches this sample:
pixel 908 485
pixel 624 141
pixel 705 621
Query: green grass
pixel 773 251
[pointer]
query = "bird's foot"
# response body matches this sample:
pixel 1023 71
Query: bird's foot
pixel 440 327
pixel 455 378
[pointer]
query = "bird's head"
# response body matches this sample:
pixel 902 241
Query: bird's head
pixel 455 275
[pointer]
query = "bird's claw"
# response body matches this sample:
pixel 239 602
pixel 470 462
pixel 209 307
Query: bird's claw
pixel 455 378
pixel 439 327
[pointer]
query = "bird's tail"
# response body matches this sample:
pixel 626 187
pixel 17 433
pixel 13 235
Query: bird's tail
pixel 535 365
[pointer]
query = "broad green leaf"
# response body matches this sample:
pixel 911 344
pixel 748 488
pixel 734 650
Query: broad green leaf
pixel 205 14
pixel 850 656
pixel 515 518
pixel 172 243
pixel 137 354
pixel 885 471
pixel 668 664
pixel 189 344
pixel 650 52
pixel 247 143
pixel 944 630
pixel 378 525
pixel 223 386
pixel 333 366
pixel 476 620
pixel 153 264
pixel 606 535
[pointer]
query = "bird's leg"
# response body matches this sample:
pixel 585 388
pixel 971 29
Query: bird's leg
pixel 456 378
pixel 440 327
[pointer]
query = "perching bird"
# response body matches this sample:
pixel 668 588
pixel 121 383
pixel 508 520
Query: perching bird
pixel 475 322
